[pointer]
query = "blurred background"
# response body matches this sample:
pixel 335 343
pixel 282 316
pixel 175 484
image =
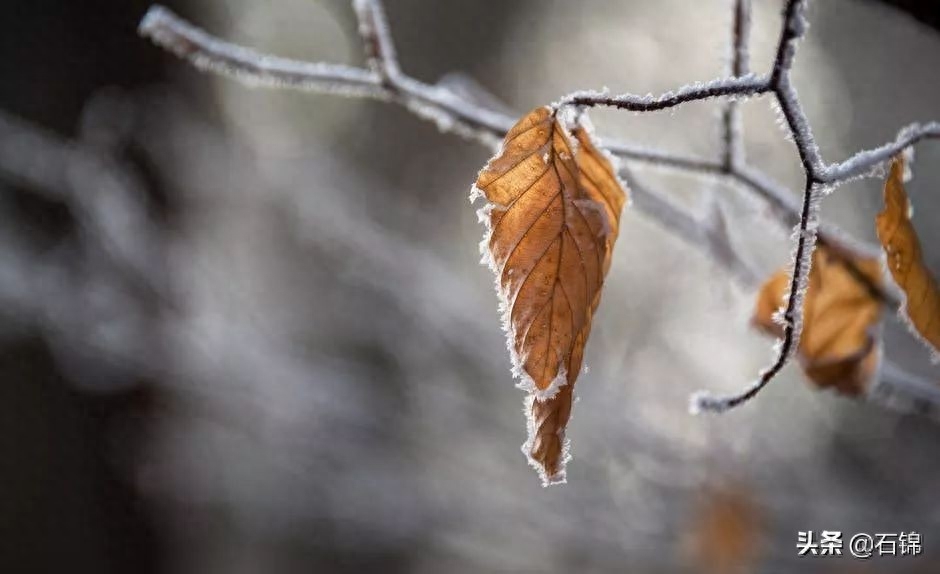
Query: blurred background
pixel 246 331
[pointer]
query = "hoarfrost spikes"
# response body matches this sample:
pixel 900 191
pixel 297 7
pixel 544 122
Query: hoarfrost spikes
pixel 528 385
pixel 475 194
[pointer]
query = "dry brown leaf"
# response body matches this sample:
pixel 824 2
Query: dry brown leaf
pixel 726 531
pixel 552 217
pixel 906 261
pixel 839 346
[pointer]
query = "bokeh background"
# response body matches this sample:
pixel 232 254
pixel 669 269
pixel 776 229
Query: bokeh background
pixel 246 331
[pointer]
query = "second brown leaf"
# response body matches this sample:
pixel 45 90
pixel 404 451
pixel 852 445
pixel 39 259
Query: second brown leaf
pixel 906 260
pixel 840 346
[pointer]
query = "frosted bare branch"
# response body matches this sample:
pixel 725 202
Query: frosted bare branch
pixel 210 54
pixel 863 162
pixel 740 87
pixel 469 118
pixel 794 26
pixel 376 39
pixel 733 152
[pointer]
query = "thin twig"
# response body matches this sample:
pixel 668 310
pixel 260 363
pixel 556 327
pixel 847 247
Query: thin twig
pixel 377 40
pixel 794 27
pixel 211 54
pixel 731 114
pixel 792 316
pixel 742 87
pixel 655 157
pixel 865 161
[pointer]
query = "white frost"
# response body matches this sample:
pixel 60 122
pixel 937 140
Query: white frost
pixel 549 392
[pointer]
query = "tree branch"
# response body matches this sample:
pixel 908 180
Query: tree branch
pixel 731 114
pixel 742 87
pixel 659 158
pixel 377 40
pixel 210 54
pixel 792 315
pixel 384 80
pixel 863 162
pixel 794 26
pixel 436 103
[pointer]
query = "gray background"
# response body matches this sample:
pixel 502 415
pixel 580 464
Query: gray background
pixel 328 389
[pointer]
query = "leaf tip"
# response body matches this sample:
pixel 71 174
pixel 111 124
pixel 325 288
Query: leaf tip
pixel 546 448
